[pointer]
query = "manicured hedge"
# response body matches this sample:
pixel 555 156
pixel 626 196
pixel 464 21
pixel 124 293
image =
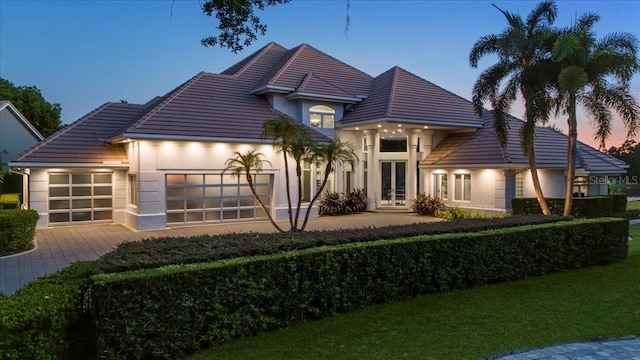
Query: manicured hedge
pixel 151 253
pixel 17 230
pixel 10 201
pixel 584 207
pixel 618 203
pixel 168 312
pixel 43 320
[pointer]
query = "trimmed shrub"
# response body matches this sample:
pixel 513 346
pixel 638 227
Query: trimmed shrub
pixel 331 203
pixel 10 201
pixel 427 205
pixel 168 312
pixel 618 203
pixel 454 212
pixel 356 201
pixel 17 230
pixel 44 319
pixel 584 207
pixel 150 253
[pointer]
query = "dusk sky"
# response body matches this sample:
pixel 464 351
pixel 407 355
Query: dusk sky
pixel 82 54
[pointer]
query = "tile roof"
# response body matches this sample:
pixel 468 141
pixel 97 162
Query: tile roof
pixel 314 84
pixel 296 63
pixel 481 149
pixel 85 141
pixel 402 96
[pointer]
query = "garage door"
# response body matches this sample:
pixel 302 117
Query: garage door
pixel 80 197
pixel 201 198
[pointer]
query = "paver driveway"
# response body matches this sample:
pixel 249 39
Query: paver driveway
pixel 60 246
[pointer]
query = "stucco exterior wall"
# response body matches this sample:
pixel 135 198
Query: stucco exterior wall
pixel 551 182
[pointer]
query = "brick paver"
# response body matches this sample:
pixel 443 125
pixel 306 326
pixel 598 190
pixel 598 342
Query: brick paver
pixel 627 348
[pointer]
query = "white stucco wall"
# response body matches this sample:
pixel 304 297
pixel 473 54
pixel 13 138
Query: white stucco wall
pixel 551 182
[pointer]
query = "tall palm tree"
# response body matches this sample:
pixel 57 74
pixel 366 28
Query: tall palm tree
pixel 301 150
pixel 330 154
pixel 523 50
pixel 282 130
pixel 245 163
pixel 594 73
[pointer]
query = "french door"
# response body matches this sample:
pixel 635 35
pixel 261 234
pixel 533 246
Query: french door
pixel 393 183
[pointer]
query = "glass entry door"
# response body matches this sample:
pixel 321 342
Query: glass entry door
pixel 393 183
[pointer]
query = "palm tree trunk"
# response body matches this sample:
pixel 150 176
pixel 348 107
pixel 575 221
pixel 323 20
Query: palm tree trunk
pixel 571 156
pixel 255 195
pixel 327 172
pixel 536 183
pixel 299 204
pixel 286 176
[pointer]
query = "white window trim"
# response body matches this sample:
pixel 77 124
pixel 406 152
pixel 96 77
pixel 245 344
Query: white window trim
pixel 455 194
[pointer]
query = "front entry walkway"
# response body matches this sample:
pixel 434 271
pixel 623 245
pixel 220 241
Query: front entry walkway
pixel 60 246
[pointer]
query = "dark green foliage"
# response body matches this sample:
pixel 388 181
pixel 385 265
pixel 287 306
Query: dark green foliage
pixel 356 201
pixel 44 116
pixel 151 253
pixel 427 205
pixel 44 319
pixel 618 202
pixel 168 312
pixel 331 203
pixel 10 201
pixel 454 212
pixel 585 207
pixel 17 230
pixel 11 183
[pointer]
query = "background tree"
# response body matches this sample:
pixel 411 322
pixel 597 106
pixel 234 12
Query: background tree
pixel 244 164
pixel 596 74
pixel 523 50
pixel 43 115
pixel 629 152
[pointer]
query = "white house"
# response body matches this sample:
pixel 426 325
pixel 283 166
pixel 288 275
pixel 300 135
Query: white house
pixel 161 163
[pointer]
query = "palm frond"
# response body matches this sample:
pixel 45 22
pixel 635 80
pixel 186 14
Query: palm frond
pixel 546 10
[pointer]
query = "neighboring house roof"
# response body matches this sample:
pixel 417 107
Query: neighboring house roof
pixel 5 104
pixel 481 149
pixel 292 69
pixel 398 95
pixel 84 141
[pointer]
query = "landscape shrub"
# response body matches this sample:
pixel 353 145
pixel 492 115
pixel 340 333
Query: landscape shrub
pixel 168 312
pixel 331 203
pixel 17 230
pixel 618 203
pixel 45 320
pixel 584 207
pixel 427 205
pixel 151 253
pixel 9 201
pixel 356 201
pixel 454 212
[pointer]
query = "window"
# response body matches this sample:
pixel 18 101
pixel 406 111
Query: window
pixel 440 185
pixel 393 145
pixel 347 178
pixel 580 185
pixel 321 116
pixel 463 187
pixel 320 178
pixel 520 184
pixel 306 181
pixel 133 189
pixel 365 175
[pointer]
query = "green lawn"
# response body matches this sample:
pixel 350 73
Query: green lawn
pixel 633 205
pixel 585 304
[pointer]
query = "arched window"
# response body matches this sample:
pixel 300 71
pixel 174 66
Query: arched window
pixel 322 116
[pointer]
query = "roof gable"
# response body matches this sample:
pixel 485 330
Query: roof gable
pixel 402 96
pixel 4 104
pixel 296 63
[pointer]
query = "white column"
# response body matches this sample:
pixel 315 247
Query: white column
pixel 371 168
pixel 427 145
pixel 412 175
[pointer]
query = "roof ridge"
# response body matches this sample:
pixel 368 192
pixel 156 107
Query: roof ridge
pixel 311 75
pixel 172 95
pixel 306 79
pixel 58 133
pixel 297 52
pixel 250 63
pixel 392 90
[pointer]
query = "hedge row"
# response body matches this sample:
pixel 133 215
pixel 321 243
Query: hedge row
pixel 43 320
pixel 152 253
pixel 168 312
pixel 584 207
pixel 17 230
pixel 9 201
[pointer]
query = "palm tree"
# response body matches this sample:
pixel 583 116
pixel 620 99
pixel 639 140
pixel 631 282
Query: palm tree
pixel 597 75
pixel 301 150
pixel 523 56
pixel 282 131
pixel 245 163
pixel 330 154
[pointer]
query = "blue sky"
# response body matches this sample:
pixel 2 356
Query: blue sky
pixel 82 54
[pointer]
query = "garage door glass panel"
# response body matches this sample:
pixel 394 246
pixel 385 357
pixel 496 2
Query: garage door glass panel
pixel 80 197
pixel 193 198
